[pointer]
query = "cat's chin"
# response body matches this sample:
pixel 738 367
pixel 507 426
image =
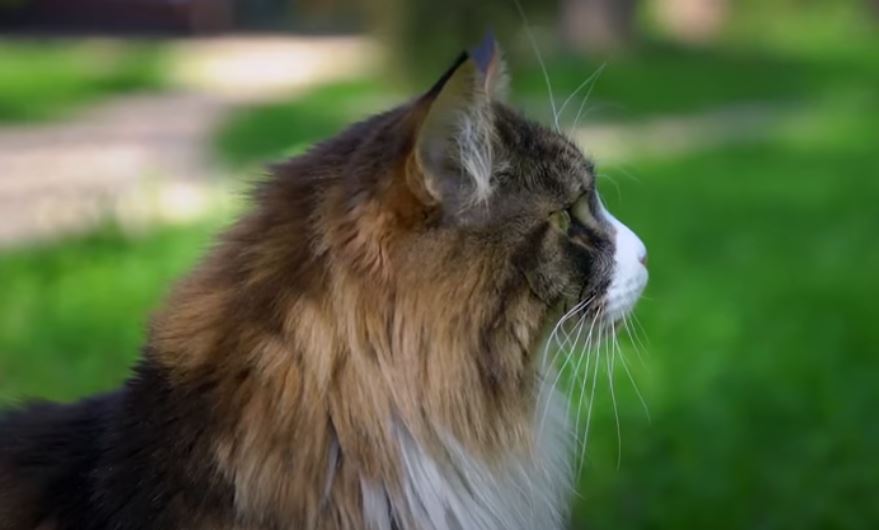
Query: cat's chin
pixel 622 296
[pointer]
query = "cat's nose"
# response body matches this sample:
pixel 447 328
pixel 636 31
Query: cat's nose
pixel 643 258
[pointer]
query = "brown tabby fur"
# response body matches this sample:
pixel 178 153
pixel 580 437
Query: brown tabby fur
pixel 330 341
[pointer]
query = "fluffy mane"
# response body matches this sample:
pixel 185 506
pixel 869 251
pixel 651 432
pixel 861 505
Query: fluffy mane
pixel 322 339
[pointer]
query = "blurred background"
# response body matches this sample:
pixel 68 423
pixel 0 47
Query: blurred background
pixel 739 138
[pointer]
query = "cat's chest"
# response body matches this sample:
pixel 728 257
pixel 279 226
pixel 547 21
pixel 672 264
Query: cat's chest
pixel 526 492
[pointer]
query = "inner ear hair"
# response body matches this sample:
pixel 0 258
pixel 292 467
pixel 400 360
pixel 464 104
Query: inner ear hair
pixel 454 143
pixel 489 59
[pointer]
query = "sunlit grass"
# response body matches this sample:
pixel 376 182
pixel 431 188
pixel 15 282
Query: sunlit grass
pixel 266 132
pixel 73 315
pixel 43 79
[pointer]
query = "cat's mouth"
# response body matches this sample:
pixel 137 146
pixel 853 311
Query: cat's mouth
pixel 623 294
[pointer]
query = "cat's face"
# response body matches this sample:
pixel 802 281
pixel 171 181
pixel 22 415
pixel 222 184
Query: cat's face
pixel 571 248
pixel 529 196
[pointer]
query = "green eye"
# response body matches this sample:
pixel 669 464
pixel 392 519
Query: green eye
pixel 561 220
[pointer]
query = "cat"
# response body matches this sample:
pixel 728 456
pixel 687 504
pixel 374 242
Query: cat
pixel 360 351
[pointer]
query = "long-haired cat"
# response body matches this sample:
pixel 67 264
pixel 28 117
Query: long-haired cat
pixel 362 350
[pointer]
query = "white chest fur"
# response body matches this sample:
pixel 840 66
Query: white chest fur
pixel 526 492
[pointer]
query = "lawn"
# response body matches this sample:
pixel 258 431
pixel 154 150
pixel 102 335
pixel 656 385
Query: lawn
pixel 73 316
pixel 759 365
pixel 46 79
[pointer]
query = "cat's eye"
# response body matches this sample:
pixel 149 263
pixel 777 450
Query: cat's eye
pixel 581 210
pixel 561 220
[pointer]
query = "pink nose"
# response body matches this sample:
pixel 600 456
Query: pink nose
pixel 643 259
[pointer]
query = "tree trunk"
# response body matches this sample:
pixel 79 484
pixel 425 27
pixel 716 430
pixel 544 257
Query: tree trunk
pixel 597 25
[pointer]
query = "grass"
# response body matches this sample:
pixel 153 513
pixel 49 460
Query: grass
pixel 73 316
pixel 272 130
pixel 668 79
pixel 41 80
pixel 761 369
pixel 760 366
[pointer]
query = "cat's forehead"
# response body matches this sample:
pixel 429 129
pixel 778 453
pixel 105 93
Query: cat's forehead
pixel 541 159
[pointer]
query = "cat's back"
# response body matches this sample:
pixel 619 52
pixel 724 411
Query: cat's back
pixel 47 454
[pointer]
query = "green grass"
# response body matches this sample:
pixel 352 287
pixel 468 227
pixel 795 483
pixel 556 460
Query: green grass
pixel 270 131
pixel 665 79
pixel 762 339
pixel 42 80
pixel 73 316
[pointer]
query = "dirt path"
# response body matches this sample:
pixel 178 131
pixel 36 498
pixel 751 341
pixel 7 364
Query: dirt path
pixel 141 157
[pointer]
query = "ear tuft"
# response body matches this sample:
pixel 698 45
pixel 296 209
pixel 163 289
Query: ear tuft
pixel 484 54
pixel 489 61
pixel 454 147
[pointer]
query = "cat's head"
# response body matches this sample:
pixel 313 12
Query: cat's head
pixel 516 200
pixel 446 236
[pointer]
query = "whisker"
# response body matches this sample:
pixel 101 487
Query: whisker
pixel 566 335
pixel 591 356
pixel 533 41
pixel 552 334
pixel 620 166
pixel 635 386
pixel 613 181
pixel 635 341
pixel 587 353
pixel 578 364
pixel 589 79
pixel 637 323
pixel 564 364
pixel 610 364
pixel 582 456
pixel 568 340
pixel 585 99
pixel 562 345
pixel 552 387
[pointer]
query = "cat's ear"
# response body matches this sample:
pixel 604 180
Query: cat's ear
pixel 453 146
